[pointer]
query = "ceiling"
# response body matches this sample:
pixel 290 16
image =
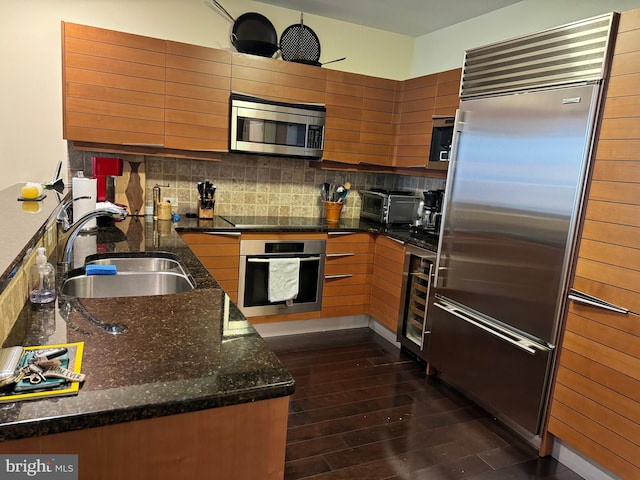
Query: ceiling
pixel 407 17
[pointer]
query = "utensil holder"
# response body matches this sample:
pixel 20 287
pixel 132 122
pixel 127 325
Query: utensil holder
pixel 332 211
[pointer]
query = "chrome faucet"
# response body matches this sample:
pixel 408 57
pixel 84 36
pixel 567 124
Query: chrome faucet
pixel 68 230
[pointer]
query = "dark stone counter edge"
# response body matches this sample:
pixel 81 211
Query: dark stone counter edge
pixel 428 241
pixel 49 426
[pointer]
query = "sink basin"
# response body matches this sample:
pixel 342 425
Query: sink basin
pixel 138 274
pixel 139 262
pixel 126 284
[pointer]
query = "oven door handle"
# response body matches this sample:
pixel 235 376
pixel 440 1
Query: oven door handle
pixel 267 260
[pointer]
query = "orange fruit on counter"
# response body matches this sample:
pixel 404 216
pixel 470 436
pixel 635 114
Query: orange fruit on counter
pixel 31 190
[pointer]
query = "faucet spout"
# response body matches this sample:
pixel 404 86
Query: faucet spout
pixel 68 230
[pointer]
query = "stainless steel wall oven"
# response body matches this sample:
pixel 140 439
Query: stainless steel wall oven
pixel 253 283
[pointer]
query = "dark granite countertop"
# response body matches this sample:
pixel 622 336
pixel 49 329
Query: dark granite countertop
pixel 182 352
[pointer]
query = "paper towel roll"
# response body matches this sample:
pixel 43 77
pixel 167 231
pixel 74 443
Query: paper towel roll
pixel 81 187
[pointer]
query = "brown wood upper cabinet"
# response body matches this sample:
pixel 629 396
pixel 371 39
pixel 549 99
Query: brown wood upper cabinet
pixel 277 80
pixel 113 86
pixel 126 89
pixel 360 117
pixel 419 99
pixel 198 82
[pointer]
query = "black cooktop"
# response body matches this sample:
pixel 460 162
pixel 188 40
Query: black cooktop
pixel 390 192
pixel 255 221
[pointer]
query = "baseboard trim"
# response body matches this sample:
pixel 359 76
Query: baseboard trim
pixel 581 465
pixel 296 327
pixel 383 331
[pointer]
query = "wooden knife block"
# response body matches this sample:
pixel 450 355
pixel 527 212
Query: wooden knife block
pixel 205 212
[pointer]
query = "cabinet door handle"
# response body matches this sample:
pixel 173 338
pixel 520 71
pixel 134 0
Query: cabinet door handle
pixel 267 260
pixel 153 145
pixel 586 299
pixel 343 275
pixel 396 240
pixel 328 255
pixel 340 233
pixel 229 234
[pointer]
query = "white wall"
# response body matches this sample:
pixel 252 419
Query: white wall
pixel 30 51
pixel 444 49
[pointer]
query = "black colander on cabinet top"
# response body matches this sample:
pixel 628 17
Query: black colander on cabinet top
pixel 299 43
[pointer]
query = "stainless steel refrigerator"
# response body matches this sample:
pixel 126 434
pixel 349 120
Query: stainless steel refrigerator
pixel 513 198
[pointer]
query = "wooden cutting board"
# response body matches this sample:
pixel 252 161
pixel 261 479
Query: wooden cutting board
pixel 130 187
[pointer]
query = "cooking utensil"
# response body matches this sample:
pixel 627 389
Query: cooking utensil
pixel 252 33
pixel 317 64
pixel 300 44
pixel 342 195
pixel 324 191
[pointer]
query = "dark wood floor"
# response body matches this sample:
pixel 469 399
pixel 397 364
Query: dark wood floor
pixel 364 411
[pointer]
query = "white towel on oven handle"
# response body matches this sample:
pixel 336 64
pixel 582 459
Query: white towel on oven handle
pixel 283 279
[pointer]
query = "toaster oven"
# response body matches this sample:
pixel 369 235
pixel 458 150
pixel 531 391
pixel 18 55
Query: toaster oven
pixel 389 206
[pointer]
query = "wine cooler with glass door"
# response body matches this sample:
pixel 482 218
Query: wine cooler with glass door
pixel 413 325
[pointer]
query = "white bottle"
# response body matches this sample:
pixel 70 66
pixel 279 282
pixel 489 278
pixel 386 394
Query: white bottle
pixel 42 280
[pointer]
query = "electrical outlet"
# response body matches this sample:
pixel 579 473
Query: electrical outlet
pixel 172 200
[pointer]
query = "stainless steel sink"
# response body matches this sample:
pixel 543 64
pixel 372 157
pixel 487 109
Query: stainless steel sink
pixel 139 262
pixel 126 284
pixel 138 274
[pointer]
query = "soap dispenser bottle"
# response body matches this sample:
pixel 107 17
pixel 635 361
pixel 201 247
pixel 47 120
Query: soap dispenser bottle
pixel 42 280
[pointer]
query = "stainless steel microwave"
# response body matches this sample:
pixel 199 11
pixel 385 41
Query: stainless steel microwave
pixel 389 206
pixel 276 128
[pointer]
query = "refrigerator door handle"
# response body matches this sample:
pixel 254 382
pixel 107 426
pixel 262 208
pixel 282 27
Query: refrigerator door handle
pixel 586 299
pixel 516 340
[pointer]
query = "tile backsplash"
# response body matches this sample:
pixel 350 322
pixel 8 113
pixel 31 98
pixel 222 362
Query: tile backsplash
pixel 256 185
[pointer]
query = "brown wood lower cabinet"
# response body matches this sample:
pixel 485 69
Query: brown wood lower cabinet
pixel 347 274
pixel 239 442
pixel 386 283
pixel 219 252
pixel 596 399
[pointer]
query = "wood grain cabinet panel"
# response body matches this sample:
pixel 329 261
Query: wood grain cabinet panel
pixel 187 445
pixel 377 134
pixel 347 274
pixel 277 80
pixel 418 101
pixel 198 84
pixel 220 254
pixel 113 86
pixel 344 101
pixel 360 119
pixel 386 283
pixel 596 396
